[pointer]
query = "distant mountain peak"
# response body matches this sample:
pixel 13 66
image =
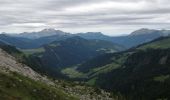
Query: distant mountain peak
pixel 49 30
pixel 42 33
pixel 93 35
pixel 53 31
pixel 143 31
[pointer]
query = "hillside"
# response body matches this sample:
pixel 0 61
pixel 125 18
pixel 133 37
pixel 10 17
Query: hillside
pixel 144 75
pixel 90 69
pixel 160 43
pixel 139 73
pixel 145 69
pixel 17 87
pixel 72 51
pixel 18 81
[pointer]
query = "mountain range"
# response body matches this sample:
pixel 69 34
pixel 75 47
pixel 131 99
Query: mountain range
pixel 36 39
pixel 52 64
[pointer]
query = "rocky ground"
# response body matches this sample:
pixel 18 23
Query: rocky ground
pixel 84 92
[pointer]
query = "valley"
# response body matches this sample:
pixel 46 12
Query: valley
pixel 84 66
pixel 84 50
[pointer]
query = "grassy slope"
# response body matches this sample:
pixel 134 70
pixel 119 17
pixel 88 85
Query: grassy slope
pixel 93 69
pixel 16 87
pixel 116 61
pixel 160 43
pixel 145 75
pixel 32 51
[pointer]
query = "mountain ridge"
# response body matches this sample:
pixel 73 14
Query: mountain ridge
pixel 36 39
pixel 130 72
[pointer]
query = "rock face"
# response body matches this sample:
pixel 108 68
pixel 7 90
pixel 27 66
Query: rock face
pixel 9 64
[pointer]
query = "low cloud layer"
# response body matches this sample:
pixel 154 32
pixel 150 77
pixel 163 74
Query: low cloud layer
pixel 111 17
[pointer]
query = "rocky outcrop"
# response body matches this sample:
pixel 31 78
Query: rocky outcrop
pixel 9 64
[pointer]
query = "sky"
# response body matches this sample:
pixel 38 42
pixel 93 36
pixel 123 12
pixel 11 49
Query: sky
pixel 111 17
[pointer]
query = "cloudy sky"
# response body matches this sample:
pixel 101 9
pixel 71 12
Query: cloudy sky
pixel 112 17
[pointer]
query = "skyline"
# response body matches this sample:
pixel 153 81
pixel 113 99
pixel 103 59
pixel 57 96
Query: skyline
pixel 110 17
pixel 53 29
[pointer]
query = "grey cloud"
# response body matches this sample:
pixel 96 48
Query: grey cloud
pixel 19 15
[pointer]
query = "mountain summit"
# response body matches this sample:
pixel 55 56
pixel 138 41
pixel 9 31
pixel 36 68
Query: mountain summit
pixel 51 31
pixel 143 31
pixel 42 33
